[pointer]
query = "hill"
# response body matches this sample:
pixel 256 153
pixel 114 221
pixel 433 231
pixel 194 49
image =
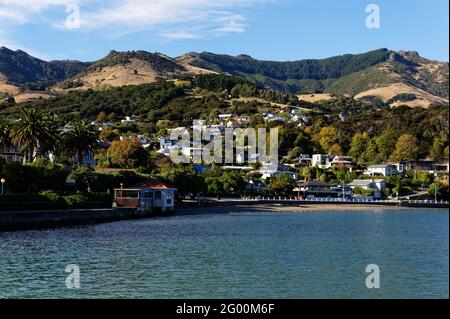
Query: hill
pixel 22 71
pixel 380 76
pixel 125 68
pixel 353 75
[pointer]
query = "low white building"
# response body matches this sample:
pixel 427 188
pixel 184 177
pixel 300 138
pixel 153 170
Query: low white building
pixel 375 185
pixel 127 121
pixel 381 170
pixel 269 170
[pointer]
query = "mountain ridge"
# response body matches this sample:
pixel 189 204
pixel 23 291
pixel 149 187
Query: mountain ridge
pixel 369 75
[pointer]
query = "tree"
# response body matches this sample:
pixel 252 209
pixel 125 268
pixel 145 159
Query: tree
pixel 336 149
pixel 406 148
pixel 78 141
pixel 281 184
pixel 370 153
pixel 128 154
pixel 5 133
pixel 35 133
pixel 437 150
pixel 102 117
pixel 233 182
pixel 358 146
pixel 435 190
pixel 386 144
pixel 327 137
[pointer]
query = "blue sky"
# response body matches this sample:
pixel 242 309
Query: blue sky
pixel 264 29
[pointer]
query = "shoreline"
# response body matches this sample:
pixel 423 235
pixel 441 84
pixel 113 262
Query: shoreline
pixel 47 219
pixel 301 208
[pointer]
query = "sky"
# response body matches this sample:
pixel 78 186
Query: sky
pixel 280 30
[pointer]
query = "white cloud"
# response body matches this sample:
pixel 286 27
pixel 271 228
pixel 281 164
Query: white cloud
pixel 172 19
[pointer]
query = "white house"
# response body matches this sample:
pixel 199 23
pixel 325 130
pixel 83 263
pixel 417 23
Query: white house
pixel 321 160
pixel 375 185
pixel 342 161
pixel 224 116
pixel 269 170
pixel 381 170
pixel 127 121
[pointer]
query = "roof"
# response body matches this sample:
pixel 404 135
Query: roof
pixel 312 183
pixel 364 182
pixel 152 184
pixel 380 166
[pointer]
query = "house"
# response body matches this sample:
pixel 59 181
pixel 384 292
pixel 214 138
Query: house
pixel 269 170
pixel 381 170
pixel 342 161
pixel 375 185
pixel 321 160
pixel 314 188
pixel 11 154
pixel 224 117
pixel 88 160
pixel 127 121
pixel 304 160
pixel 147 197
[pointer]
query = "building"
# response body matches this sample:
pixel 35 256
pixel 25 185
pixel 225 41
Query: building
pixel 382 170
pixel 375 185
pixel 146 197
pixel 88 160
pixel 314 188
pixel 342 161
pixel 321 160
pixel 127 121
pixel 11 154
pixel 269 170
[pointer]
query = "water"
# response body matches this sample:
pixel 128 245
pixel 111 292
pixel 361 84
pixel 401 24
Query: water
pixel 240 255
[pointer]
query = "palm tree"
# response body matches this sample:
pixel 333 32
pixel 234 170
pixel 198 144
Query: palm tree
pixel 79 140
pixel 34 133
pixel 5 133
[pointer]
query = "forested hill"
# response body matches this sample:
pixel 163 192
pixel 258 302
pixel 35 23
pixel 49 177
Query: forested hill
pixel 383 74
pixel 330 68
pixel 25 71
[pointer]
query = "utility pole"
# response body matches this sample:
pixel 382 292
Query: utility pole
pixel 435 193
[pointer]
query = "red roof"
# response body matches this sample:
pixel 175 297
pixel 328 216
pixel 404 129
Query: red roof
pixel 153 184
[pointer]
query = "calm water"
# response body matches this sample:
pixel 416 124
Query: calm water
pixel 248 255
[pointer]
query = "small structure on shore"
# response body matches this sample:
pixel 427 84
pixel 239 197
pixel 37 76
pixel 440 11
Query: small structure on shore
pixel 146 197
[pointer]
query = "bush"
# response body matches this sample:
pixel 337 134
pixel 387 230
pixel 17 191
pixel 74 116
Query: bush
pixel 75 200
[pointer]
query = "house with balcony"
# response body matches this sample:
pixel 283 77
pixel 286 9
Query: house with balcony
pixel 381 170
pixel 314 188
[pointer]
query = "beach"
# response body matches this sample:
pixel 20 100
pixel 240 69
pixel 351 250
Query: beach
pixel 282 208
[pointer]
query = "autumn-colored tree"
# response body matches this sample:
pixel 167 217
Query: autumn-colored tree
pixel 406 148
pixel 128 154
pixel 327 137
pixel 336 149
pixel 108 134
pixel 102 117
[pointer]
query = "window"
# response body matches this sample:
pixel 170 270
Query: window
pixel 158 195
pixel 127 194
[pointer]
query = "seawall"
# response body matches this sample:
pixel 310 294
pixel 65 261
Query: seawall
pixel 23 220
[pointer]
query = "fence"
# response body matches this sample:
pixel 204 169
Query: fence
pixel 340 200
